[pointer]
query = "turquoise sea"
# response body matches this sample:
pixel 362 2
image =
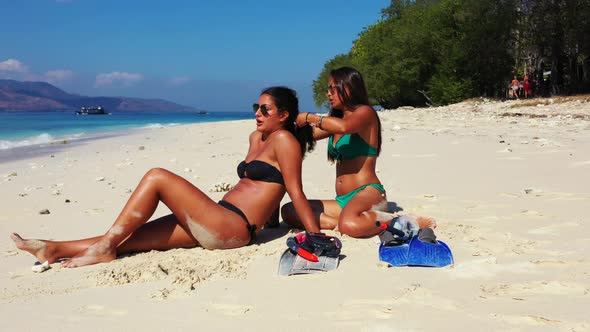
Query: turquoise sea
pixel 26 128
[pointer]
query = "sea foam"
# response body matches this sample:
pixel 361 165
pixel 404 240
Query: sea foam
pixel 159 125
pixel 36 140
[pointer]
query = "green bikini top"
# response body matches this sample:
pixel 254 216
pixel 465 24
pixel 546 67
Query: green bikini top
pixel 350 146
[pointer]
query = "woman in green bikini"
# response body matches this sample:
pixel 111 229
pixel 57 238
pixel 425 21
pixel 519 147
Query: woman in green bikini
pixel 353 130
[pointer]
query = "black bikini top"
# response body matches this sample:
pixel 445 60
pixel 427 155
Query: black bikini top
pixel 260 171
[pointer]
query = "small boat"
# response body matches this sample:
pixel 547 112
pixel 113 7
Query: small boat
pixel 91 110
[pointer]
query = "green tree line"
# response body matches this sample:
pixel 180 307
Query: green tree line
pixel 426 52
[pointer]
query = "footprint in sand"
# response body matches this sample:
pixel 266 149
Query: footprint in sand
pixel 560 196
pixel 555 196
pixel 527 319
pixel 487 268
pixel 16 275
pixel 412 296
pixel 94 212
pixel 580 163
pixel 531 213
pixel 556 228
pixel 10 253
pixel 99 310
pixel 423 297
pixel 558 263
pixel 124 164
pixel 171 293
pixel 231 309
pixel 361 309
pixel 533 288
pixel 427 155
pixel 510 195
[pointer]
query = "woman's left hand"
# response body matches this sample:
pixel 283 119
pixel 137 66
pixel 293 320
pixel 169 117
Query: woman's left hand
pixel 301 119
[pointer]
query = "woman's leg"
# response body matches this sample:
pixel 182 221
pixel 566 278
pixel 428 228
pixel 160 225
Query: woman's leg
pixel 327 211
pixel 160 234
pixel 329 217
pixel 163 233
pixel 368 206
pixel 51 251
pixel 203 221
pixel 360 214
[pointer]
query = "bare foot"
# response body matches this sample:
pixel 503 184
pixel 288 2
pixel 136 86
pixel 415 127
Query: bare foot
pixel 420 221
pixel 426 222
pixel 99 252
pixel 37 248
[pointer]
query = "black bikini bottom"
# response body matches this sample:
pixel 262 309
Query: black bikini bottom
pixel 233 208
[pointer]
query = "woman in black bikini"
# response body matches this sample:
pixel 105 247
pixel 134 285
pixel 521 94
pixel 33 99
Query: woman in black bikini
pixel 271 168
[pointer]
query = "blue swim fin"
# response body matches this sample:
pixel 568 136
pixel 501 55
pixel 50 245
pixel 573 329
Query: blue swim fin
pixel 417 253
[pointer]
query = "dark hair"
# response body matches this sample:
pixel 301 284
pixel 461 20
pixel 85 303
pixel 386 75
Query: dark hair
pixel 353 97
pixel 286 100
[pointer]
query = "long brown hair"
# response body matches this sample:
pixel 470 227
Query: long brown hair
pixel 286 100
pixel 353 97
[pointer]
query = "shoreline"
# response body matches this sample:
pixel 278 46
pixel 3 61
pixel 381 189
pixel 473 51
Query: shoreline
pixel 506 190
pixel 49 149
pixel 45 128
pixel 60 145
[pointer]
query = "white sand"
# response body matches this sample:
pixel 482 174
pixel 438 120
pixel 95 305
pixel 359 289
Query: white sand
pixel 510 194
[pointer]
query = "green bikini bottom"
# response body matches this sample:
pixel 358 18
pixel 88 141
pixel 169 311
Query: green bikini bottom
pixel 344 199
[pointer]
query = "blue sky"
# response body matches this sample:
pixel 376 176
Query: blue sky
pixel 214 55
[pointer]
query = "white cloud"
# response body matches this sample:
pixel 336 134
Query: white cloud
pixel 116 77
pixel 180 80
pixel 59 75
pixel 13 65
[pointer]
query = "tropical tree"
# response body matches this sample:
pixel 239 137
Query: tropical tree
pixel 426 52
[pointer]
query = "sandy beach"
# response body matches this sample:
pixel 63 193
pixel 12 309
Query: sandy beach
pixel 508 183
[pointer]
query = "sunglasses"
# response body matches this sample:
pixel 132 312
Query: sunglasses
pixel 332 89
pixel 263 109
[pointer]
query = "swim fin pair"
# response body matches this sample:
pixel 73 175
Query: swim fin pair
pixel 422 249
pixel 310 253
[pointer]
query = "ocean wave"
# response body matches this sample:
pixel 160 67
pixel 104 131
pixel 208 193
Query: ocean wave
pixel 36 140
pixel 159 125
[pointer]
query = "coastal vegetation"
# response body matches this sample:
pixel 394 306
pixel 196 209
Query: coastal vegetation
pixel 436 52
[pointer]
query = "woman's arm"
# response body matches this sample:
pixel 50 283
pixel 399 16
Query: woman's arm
pixel 354 122
pixel 318 134
pixel 290 159
pixel 254 136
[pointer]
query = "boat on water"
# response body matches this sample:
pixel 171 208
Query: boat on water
pixel 91 110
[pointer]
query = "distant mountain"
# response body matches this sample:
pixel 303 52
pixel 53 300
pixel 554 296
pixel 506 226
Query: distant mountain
pixel 42 96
